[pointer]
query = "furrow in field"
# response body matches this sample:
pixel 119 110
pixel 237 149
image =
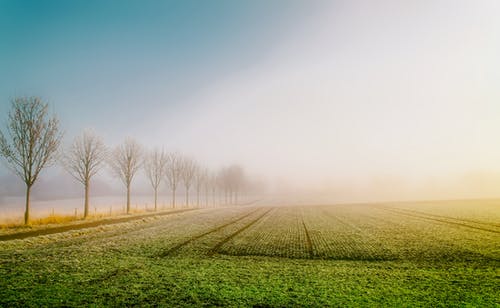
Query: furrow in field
pixel 213 230
pixel 484 213
pixel 308 238
pixel 335 237
pixel 278 234
pixel 85 225
pixel 143 237
pixel 415 238
pixel 440 220
pixel 153 239
pixel 216 248
pixel 484 224
pixel 196 243
pixel 71 238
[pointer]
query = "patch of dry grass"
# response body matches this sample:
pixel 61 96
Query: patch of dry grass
pixel 51 219
pixel 16 224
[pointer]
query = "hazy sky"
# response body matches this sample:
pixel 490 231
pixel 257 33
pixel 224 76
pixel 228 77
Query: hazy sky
pixel 364 99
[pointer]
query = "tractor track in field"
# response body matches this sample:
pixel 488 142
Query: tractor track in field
pixel 217 247
pixel 457 222
pixel 85 225
pixel 99 236
pixel 308 240
pixel 462 220
pixel 194 238
pixel 108 235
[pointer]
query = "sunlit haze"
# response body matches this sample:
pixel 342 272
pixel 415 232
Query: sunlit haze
pixel 348 100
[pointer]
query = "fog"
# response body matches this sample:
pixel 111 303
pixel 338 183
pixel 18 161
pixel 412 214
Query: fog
pixel 345 101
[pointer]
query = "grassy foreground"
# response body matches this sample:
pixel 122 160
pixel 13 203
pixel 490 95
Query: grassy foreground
pixel 135 264
pixel 246 281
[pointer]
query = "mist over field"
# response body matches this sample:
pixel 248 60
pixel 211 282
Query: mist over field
pixel 344 101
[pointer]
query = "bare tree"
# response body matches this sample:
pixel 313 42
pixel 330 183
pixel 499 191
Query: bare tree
pixel 155 165
pixel 125 162
pixel 83 159
pixel 189 168
pixel 31 141
pixel 231 179
pixel 212 181
pixel 236 179
pixel 200 178
pixel 207 185
pixel 173 173
pixel 223 181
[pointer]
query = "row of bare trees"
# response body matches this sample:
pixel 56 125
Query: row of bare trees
pixel 32 141
pixel 88 154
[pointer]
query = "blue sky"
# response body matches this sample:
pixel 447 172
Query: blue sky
pixel 92 58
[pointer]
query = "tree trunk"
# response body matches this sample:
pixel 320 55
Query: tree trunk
pixel 198 197
pixel 173 198
pixel 235 197
pixel 187 197
pixel 86 204
pixel 27 210
pixel 128 198
pixel 156 199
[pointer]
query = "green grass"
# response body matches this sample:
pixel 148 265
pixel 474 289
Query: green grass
pixel 442 265
pixel 248 281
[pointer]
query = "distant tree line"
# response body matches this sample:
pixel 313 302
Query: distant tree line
pixel 32 139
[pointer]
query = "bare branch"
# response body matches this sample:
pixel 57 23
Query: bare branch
pixel 85 157
pixel 189 170
pixel 125 160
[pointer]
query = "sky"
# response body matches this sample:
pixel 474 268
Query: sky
pixel 356 100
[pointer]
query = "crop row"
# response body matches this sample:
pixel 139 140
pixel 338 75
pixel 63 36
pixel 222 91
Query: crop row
pixel 466 223
pixel 410 237
pixel 482 212
pixel 349 232
pixel 360 232
pixel 151 236
pixel 281 234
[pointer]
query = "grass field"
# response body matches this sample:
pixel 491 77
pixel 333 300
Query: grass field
pixel 401 254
